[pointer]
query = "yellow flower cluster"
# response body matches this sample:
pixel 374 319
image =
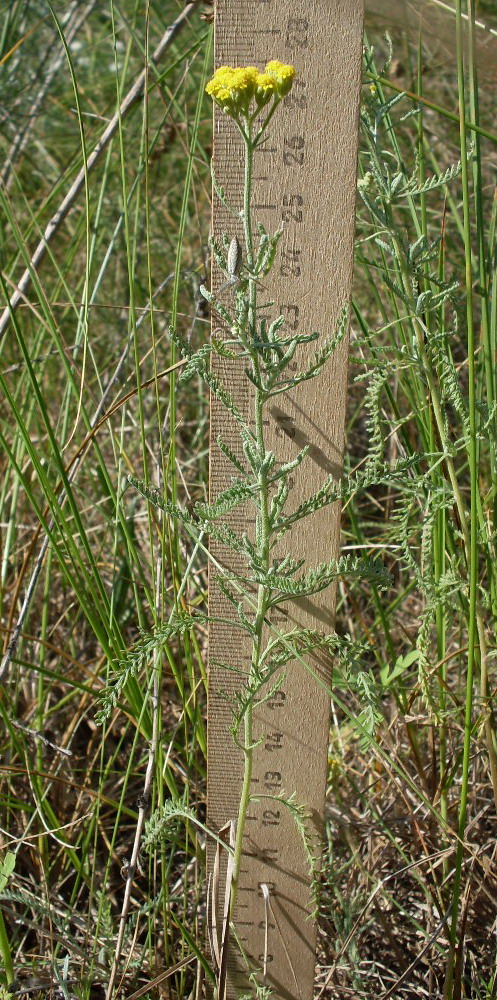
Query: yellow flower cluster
pixel 234 88
pixel 282 75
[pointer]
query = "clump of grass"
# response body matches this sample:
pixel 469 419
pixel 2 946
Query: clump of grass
pixel 84 368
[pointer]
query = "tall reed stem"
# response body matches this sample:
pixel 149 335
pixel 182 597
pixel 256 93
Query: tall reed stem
pixel 473 519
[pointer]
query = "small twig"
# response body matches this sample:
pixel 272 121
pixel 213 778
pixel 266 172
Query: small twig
pixel 265 896
pixel 161 977
pixel 269 912
pixel 393 989
pixel 131 98
pixel 37 735
pixel 219 941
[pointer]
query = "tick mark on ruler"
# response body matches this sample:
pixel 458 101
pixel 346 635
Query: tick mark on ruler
pixel 268 207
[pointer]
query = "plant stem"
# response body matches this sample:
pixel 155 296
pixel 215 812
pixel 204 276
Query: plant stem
pixel 263 528
pixel 5 951
pixel 473 529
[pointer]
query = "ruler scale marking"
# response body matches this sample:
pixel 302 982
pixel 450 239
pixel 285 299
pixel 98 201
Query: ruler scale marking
pixel 304 179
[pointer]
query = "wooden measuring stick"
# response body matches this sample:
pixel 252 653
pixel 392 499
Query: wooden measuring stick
pixel 305 180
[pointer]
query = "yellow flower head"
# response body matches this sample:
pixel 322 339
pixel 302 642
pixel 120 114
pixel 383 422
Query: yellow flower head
pixel 264 89
pixel 282 74
pixel 245 78
pixel 233 88
pixel 219 88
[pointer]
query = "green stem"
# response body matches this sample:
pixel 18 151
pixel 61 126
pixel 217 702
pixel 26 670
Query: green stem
pixel 263 529
pixel 487 374
pixel 5 951
pixel 473 530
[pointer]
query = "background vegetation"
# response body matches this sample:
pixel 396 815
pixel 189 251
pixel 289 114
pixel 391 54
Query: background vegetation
pixel 87 567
